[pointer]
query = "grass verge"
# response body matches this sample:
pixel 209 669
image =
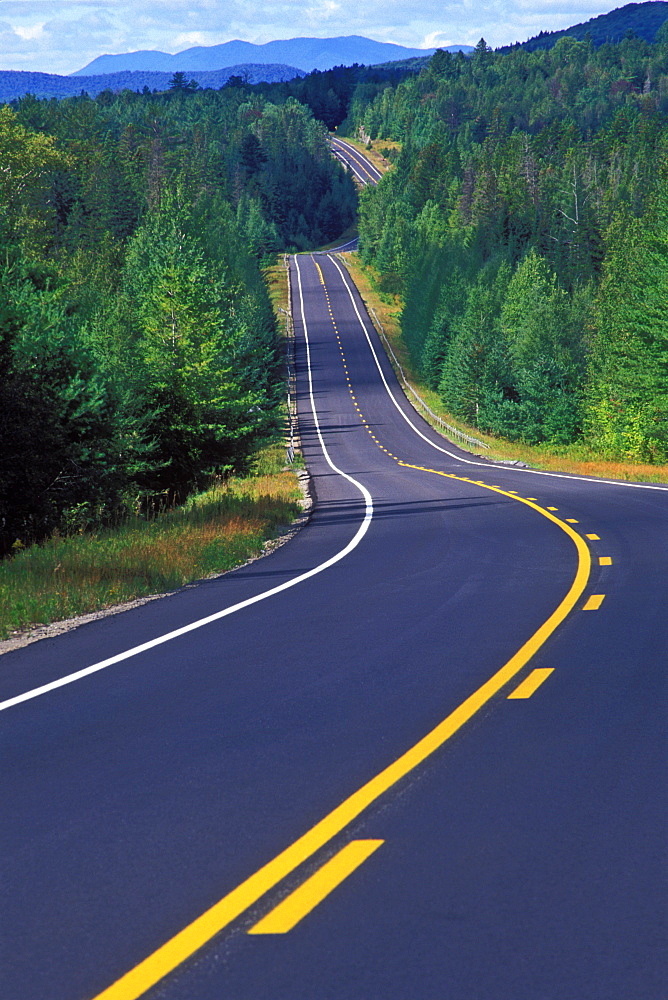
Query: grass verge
pixel 578 458
pixel 275 279
pixel 373 152
pixel 212 533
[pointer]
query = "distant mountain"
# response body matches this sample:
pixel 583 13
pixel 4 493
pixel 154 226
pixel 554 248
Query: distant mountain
pixel 306 53
pixel 17 83
pixel 643 19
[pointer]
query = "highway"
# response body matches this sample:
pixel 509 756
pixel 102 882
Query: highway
pixel 417 753
pixel 361 166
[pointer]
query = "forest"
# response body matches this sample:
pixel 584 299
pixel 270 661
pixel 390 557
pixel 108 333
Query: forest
pixel 139 356
pixel 525 228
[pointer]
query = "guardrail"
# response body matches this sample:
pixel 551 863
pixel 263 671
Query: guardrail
pixel 448 428
pixel 290 366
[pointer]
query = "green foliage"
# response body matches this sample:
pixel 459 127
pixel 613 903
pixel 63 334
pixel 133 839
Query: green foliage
pixel 71 437
pixel 544 167
pixel 138 349
pixel 641 20
pixel 179 82
pixel 212 533
pixel 29 161
pixel 206 413
pixel 628 385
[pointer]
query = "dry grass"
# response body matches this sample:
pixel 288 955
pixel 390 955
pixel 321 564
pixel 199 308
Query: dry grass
pixel 373 152
pixel 212 533
pixel 275 278
pixel 578 459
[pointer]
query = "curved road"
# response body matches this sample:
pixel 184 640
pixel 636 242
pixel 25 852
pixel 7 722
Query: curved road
pixel 331 727
pixel 361 166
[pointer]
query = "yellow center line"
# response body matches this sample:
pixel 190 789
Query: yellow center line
pixel 187 941
pixel 203 928
pixel 531 683
pixel 306 897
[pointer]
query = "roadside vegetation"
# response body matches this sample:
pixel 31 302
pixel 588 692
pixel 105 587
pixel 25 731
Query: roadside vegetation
pixel 578 458
pixel 382 156
pixel 141 363
pixel 516 253
pixel 524 231
pixel 212 532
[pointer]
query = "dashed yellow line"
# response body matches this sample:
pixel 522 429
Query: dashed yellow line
pixel 593 602
pixel 187 941
pixel 531 683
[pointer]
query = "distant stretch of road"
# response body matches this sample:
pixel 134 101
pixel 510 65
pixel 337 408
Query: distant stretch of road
pixel 361 166
pixel 304 780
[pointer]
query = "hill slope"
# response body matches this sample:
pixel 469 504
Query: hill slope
pixel 17 83
pixel 643 19
pixel 306 53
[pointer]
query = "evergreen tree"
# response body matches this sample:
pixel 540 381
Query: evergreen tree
pixel 628 376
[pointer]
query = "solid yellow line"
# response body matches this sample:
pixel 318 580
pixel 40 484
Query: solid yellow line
pixel 306 897
pixel 605 561
pixel 594 602
pixel 187 941
pixel 531 683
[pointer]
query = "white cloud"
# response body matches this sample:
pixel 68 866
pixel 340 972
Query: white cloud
pixel 63 35
pixel 190 38
pixel 323 11
pixel 29 34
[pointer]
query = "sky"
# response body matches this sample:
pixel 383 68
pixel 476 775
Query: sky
pixel 61 36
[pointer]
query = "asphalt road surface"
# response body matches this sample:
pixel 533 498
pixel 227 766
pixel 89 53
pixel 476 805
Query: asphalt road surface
pixel 361 167
pixel 309 779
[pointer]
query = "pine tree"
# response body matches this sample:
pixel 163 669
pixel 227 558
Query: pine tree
pixel 628 377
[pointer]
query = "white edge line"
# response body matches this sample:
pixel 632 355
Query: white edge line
pixel 467 461
pixel 356 163
pixel 152 643
pixel 319 253
pixel 352 166
pixel 362 160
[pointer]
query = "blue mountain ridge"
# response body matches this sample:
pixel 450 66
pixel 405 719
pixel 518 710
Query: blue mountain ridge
pixel 642 19
pixel 18 83
pixel 305 53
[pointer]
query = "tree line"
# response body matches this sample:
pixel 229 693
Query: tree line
pixel 138 349
pixel 526 226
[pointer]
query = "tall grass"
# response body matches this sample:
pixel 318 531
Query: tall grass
pixel 213 532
